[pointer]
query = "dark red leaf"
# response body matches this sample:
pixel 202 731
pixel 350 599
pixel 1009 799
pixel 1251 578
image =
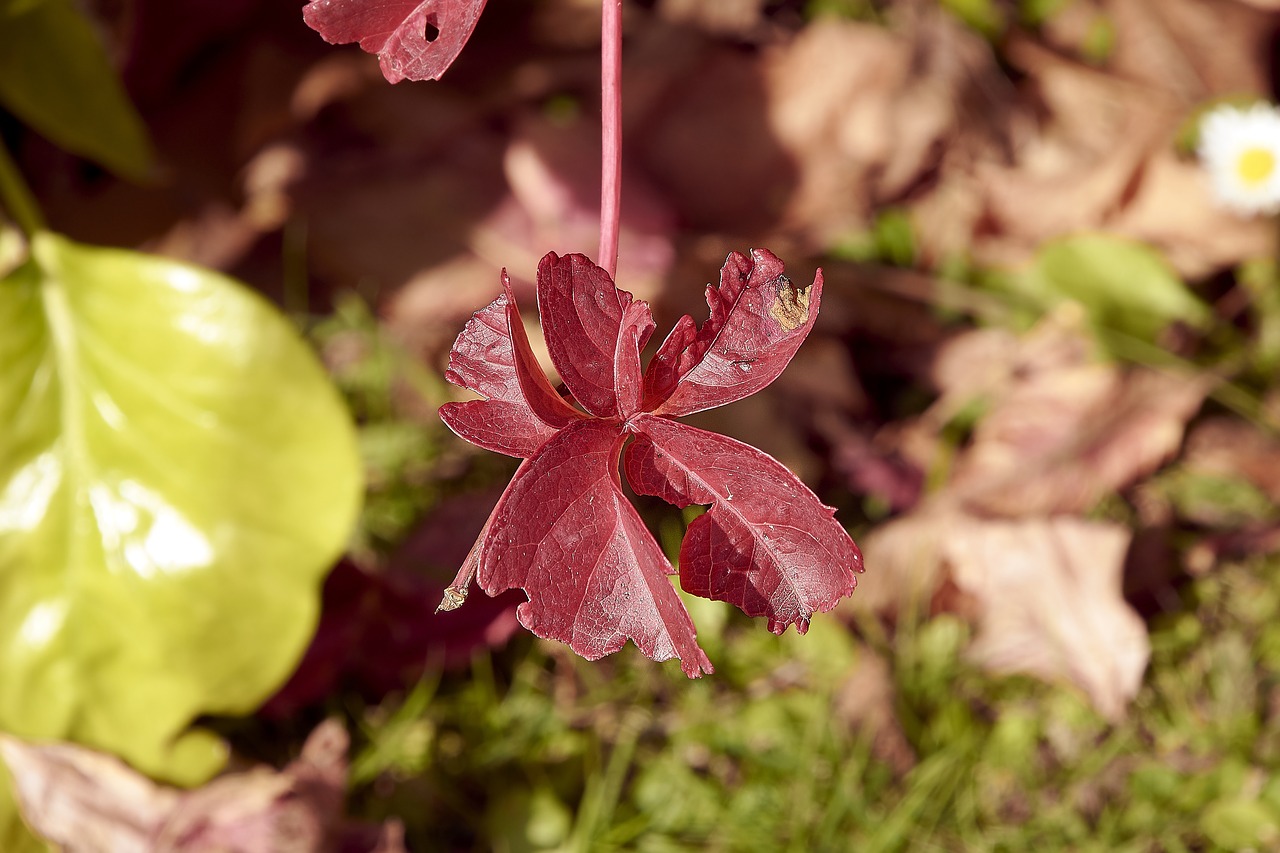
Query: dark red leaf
pixel 414 39
pixel 566 534
pixel 758 320
pixel 594 333
pixel 492 357
pixel 767 544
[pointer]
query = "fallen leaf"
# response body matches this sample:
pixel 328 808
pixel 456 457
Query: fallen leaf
pixel 696 131
pixel 727 18
pixel 1050 592
pixel 867 113
pixel 1177 46
pixel 90 802
pixel 552 168
pixel 1173 208
pixel 1061 429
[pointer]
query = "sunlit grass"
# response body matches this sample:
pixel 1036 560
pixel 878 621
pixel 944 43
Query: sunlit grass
pixel 795 744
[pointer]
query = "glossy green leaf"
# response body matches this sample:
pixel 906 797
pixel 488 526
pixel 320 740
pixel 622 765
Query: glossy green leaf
pixel 55 76
pixel 1124 286
pixel 177 475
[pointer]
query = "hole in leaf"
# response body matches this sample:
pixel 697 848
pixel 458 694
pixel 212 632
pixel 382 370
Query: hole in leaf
pixel 430 31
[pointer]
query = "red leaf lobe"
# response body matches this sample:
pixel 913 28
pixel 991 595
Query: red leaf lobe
pixel 594 333
pixel 767 545
pixel 492 357
pixel 758 320
pixel 414 39
pixel 566 534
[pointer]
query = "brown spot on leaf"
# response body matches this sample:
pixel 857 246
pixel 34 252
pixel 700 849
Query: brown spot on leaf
pixel 791 308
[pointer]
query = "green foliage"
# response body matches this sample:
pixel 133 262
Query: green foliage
pixel 891 239
pixel 1035 13
pixel 55 75
pixel 985 16
pixel 1099 40
pixel 858 10
pixel 176 477
pixel 1122 285
pixel 400 449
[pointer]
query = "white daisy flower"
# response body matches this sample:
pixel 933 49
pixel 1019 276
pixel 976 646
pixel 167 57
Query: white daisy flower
pixel 1240 148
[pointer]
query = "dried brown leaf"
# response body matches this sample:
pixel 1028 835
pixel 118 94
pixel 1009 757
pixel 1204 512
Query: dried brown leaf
pixel 865 113
pixel 907 554
pixel 1061 429
pixel 1179 46
pixel 85 801
pixel 1061 444
pixel 1172 207
pixel 88 802
pixel 1050 591
pixel 737 18
pixel 1045 593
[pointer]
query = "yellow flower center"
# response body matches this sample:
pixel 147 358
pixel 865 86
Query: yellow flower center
pixel 1255 166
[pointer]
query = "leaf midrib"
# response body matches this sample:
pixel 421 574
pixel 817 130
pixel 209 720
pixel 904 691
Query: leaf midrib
pixel 77 460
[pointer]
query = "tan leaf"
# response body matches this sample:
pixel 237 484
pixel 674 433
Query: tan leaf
pixel 1173 209
pixel 736 18
pixel 1061 444
pixel 1061 429
pixel 88 802
pixel 1075 173
pixel 866 113
pixel 85 801
pixel 1050 593
pixel 1181 46
pixel 907 556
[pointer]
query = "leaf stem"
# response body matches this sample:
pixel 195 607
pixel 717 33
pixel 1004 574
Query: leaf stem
pixel 610 133
pixel 17 197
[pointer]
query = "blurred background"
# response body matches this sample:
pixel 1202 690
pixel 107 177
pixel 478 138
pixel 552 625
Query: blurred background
pixel 1042 394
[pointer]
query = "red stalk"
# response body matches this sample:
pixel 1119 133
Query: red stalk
pixel 610 133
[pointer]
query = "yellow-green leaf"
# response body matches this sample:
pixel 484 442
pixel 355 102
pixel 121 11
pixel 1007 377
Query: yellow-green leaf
pixel 177 475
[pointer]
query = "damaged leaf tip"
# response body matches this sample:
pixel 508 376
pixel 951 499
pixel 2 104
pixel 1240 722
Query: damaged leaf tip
pixel 453 599
pixel 791 307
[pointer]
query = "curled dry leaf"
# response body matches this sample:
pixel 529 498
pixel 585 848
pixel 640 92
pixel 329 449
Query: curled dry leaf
pixel 1062 429
pixel 1060 444
pixel 89 802
pixel 564 530
pixel 866 112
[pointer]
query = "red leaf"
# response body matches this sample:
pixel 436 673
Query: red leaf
pixel 565 533
pixel 492 357
pixel 414 39
pixel 767 545
pixel 594 332
pixel 758 321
